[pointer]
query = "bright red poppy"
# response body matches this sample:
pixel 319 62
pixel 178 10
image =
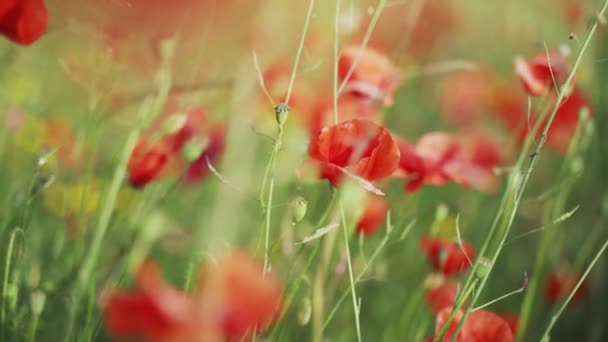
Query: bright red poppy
pixel 558 286
pixel 440 157
pixel 447 256
pixel 373 216
pixel 23 21
pixel 480 326
pixel 357 146
pixel 373 76
pixel 540 75
pixel 233 301
pixel 441 294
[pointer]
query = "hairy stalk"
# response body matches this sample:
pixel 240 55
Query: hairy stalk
pixel 6 275
pixel 356 306
pixel 510 215
pixel 366 38
pixel 550 212
pixel 294 71
pixel 361 273
pixel 554 318
pixel 149 108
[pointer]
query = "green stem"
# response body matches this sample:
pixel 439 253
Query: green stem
pixel 356 307
pixel 6 276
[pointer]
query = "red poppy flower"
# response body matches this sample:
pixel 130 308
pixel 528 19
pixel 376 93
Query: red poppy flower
pixel 248 300
pixel 373 216
pixel 147 162
pixel 154 310
pixel 349 107
pixel 234 300
pixel 480 326
pixel 447 256
pixel 441 294
pixel 464 96
pixel 199 168
pixel 373 77
pixel 540 74
pixel 357 146
pixel 23 21
pixel 150 160
pixel 438 158
pixel 559 285
pixel 512 320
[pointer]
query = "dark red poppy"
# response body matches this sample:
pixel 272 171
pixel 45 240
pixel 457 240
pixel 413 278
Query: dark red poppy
pixel 541 74
pixel 356 146
pixel 23 21
pixel 147 163
pixel 446 256
pixel 480 326
pixel 373 216
pixel 373 77
pixel 441 293
pixel 558 286
pixel 439 157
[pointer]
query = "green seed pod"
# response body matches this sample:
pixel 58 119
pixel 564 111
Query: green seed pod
pixel 484 267
pixel 194 147
pixel 37 300
pixel 282 112
pixel 298 208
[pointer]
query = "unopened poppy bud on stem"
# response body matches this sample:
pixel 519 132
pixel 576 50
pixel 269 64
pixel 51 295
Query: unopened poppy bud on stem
pixel 194 147
pixel 298 208
pixel 485 265
pixel 281 112
pixel 174 123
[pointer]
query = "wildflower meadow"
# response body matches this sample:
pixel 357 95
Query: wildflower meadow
pixel 303 170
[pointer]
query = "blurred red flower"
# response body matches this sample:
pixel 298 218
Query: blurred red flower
pixel 349 107
pixel 464 96
pixel 441 294
pixel 480 326
pixel 147 163
pixel 512 320
pixel 373 76
pixel 154 310
pixel 242 297
pixel 439 157
pixel 540 75
pixel 512 111
pixel 23 21
pixel 558 285
pixel 235 300
pixel 373 216
pixel 446 256
pixel 357 146
pixel 163 152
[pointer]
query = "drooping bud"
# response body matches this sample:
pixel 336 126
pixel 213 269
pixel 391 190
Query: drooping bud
pixel 174 123
pixel 282 112
pixel 194 147
pixel 298 208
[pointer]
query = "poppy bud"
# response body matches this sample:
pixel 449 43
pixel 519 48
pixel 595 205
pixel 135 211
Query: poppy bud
pixel 281 112
pixel 484 267
pixel 298 208
pixel 174 123
pixel 194 147
pixel 37 300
